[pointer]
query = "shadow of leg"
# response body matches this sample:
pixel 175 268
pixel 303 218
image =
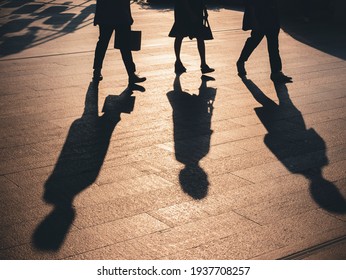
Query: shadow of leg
pixel 327 195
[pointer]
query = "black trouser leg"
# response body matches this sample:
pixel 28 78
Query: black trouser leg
pixel 102 45
pixel 273 50
pixel 124 37
pixel 251 44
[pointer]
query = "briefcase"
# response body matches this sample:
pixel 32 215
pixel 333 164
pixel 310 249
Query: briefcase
pixel 135 41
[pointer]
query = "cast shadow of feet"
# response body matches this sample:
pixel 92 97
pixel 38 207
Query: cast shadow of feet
pixel 79 164
pixel 192 133
pixel 300 149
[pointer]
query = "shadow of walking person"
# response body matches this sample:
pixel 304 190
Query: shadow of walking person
pixel 300 149
pixel 77 167
pixel 192 121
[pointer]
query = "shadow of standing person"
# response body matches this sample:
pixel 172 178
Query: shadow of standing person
pixel 77 167
pixel 192 121
pixel 300 149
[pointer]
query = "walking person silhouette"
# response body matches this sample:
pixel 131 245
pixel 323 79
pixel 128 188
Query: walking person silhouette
pixel 113 15
pixel 189 17
pixel 262 17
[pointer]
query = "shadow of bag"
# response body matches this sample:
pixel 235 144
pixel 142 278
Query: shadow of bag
pixel 117 104
pixel 135 41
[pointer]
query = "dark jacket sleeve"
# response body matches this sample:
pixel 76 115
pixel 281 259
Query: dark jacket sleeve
pixel 267 15
pixel 262 15
pixel 113 13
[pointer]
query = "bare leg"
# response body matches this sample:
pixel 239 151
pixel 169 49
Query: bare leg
pixel 177 48
pixel 178 66
pixel 201 49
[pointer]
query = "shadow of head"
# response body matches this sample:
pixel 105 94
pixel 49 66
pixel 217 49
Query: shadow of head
pixel 194 181
pixel 327 195
pixel 51 232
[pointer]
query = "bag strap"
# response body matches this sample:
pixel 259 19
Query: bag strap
pixel 205 16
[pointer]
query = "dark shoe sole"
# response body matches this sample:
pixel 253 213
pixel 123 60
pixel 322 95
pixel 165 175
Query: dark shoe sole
pixel 137 80
pixel 207 70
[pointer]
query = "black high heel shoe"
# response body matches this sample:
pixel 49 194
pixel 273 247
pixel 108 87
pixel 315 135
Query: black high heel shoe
pixel 206 69
pixel 179 68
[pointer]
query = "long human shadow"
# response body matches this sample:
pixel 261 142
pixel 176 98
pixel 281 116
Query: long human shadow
pixel 79 164
pixel 192 133
pixel 300 149
pixel 23 27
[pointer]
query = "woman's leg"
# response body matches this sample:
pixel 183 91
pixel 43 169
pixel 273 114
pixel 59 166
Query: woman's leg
pixel 177 48
pixel 201 49
pixel 178 66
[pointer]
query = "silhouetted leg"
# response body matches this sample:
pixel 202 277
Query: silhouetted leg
pixel 178 65
pixel 274 54
pixel 201 49
pixel 250 45
pixel 102 45
pixel 177 48
pixel 124 36
pixel 275 60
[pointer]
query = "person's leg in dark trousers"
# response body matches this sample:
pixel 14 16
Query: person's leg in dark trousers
pixel 100 51
pixel 124 37
pixel 250 45
pixel 273 50
pixel 275 60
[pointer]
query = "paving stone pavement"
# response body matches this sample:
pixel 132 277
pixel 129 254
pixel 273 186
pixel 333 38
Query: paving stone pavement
pixel 188 169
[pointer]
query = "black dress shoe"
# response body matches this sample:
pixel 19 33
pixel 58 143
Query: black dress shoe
pixel 134 79
pixel 97 76
pixel 280 77
pixel 135 87
pixel 241 68
pixel 206 69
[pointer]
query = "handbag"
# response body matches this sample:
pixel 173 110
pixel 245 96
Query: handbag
pixel 206 30
pixel 135 41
